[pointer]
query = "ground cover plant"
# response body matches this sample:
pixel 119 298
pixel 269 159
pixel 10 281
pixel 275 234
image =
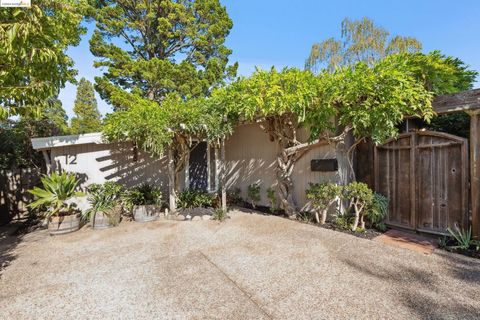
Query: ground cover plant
pixel 192 198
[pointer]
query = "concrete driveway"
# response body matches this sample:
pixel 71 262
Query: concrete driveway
pixel 250 267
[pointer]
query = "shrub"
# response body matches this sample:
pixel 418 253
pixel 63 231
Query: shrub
pixel 322 196
pixel 463 238
pixel 272 198
pixel 360 196
pixel 304 216
pixel 234 196
pixel 254 194
pixel 343 221
pixel 377 211
pixel 220 215
pixel 55 191
pixel 103 198
pixel 194 199
pixel 144 194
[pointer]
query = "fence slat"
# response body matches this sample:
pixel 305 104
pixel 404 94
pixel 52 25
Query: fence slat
pixel 14 197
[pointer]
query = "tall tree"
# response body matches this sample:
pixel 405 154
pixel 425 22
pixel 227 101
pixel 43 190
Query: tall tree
pixel 33 61
pixel 153 48
pixel 16 149
pixel 87 117
pixel 361 40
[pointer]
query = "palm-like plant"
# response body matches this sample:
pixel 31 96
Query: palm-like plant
pixel 103 198
pixel 55 191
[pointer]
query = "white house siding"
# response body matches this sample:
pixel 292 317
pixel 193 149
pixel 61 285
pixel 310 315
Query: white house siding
pixel 250 157
pixel 98 163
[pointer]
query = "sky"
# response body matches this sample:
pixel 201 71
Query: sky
pixel 281 32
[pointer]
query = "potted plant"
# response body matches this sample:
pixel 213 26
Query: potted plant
pixel 145 202
pixel 55 191
pixel 106 210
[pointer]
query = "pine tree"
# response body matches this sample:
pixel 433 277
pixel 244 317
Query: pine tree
pixel 87 117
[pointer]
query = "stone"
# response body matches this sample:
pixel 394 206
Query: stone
pixel 180 217
pixel 188 217
pixel 197 218
pixel 206 217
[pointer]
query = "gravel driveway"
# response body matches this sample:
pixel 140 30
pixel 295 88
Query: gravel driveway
pixel 250 267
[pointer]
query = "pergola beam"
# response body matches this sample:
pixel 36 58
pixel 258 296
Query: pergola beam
pixel 462 101
pixel 469 102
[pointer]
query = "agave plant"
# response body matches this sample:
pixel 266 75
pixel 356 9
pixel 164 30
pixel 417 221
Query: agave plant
pixel 55 191
pixel 462 237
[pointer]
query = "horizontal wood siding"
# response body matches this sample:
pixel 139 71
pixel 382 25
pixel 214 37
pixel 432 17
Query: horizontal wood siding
pixel 250 157
pixel 98 163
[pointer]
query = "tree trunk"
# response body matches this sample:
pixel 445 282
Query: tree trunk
pixel 172 195
pixel 223 173
pixel 355 222
pixel 362 221
pixel 323 216
pixel 357 217
pixel 285 164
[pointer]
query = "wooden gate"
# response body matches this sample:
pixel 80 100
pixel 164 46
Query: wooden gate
pixel 425 176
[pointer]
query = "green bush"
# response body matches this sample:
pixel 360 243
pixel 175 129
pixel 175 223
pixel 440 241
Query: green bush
pixel 254 194
pixel 272 198
pixel 377 211
pixel 55 191
pixel 343 221
pixel 304 216
pixel 144 194
pixel 234 196
pixel 360 197
pixel 322 196
pixel 103 198
pixel 463 238
pixel 220 215
pixel 194 199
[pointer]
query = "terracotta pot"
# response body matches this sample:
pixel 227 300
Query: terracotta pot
pixel 64 224
pixel 107 219
pixel 146 213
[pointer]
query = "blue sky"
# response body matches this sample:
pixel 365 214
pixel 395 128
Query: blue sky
pixel 281 32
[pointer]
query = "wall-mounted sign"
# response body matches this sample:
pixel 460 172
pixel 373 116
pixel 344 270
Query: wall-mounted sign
pixel 324 165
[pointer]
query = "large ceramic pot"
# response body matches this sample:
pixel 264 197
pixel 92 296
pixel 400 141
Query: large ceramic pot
pixel 146 213
pixel 63 224
pixel 107 219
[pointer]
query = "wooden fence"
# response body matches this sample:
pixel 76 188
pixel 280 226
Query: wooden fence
pixel 14 197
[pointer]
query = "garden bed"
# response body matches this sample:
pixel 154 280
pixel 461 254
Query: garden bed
pixel 470 252
pixel 367 234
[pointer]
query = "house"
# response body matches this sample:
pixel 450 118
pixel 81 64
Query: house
pixel 249 158
pixel 432 179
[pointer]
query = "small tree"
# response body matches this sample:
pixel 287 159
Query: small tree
pixel 272 198
pixel 323 195
pixel 360 196
pixel 87 117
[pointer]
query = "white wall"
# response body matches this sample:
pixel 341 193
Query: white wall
pixel 98 163
pixel 250 157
